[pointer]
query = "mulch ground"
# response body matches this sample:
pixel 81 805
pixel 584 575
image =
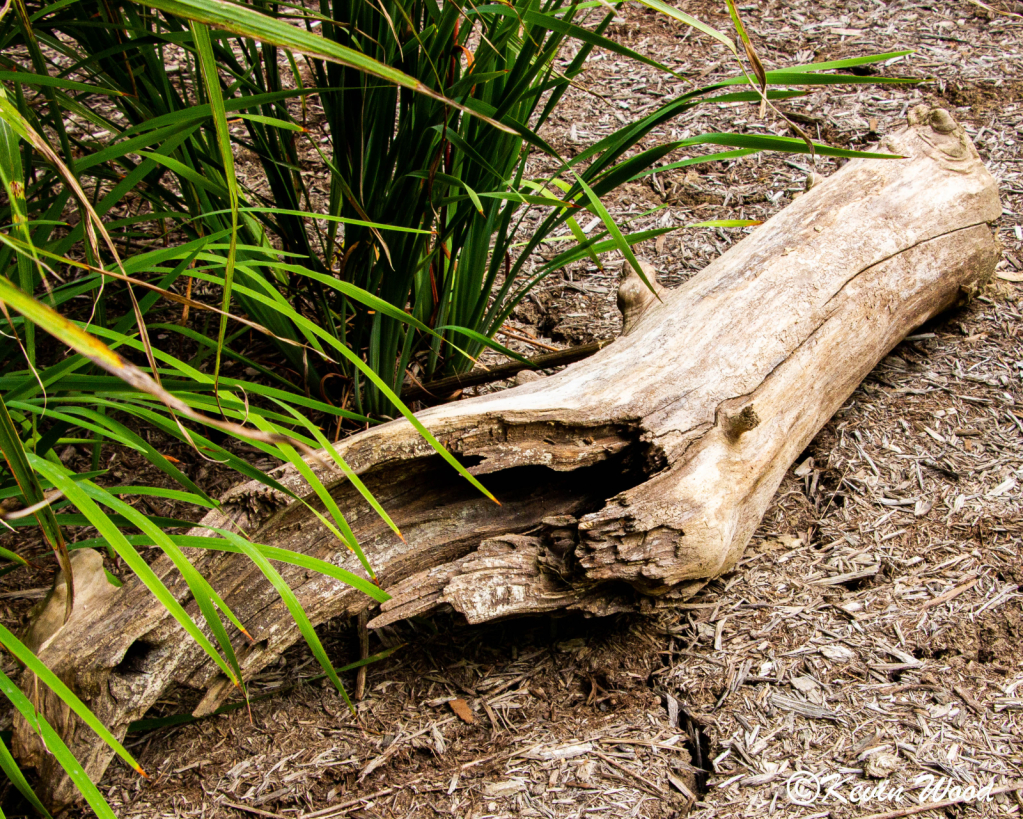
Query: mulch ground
pixel 872 633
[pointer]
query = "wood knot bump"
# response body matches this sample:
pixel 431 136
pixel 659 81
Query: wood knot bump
pixel 941 121
pixel 742 422
pixel 635 297
pixel 938 119
pixel 945 139
pixel 527 377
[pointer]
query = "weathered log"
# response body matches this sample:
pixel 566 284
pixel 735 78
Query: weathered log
pixel 626 481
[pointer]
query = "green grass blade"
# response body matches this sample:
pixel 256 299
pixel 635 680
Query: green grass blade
pixel 81 499
pixel 345 535
pixel 689 20
pixel 28 78
pixel 55 684
pixel 791 145
pixel 342 464
pixel 17 778
pixel 14 557
pixel 20 467
pixel 297 612
pixel 211 82
pixel 554 23
pixel 55 745
pixel 616 234
pixel 850 62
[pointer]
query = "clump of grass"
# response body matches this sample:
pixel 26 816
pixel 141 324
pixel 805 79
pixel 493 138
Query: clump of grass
pixel 434 114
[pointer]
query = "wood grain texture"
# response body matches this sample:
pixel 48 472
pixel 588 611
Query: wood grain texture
pixel 627 480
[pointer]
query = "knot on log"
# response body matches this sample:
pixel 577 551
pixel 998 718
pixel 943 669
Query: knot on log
pixel 741 422
pixel 527 377
pixel 946 140
pixel 635 297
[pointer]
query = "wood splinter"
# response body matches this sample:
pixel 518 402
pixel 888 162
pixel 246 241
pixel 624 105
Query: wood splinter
pixel 626 481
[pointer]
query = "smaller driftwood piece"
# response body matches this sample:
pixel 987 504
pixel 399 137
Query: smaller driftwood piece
pixel 626 480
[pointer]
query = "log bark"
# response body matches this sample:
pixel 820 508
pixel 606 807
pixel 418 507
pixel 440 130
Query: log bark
pixel 626 481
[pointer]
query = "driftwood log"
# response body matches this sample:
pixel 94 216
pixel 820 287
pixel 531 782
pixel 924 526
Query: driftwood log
pixel 626 481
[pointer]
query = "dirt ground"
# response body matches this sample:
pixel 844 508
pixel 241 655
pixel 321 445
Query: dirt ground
pixel 872 633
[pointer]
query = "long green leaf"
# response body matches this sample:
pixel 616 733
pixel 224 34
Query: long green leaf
pixel 250 23
pixel 14 775
pixel 131 557
pixel 55 745
pixel 211 82
pixel 297 612
pixel 18 462
pixel 54 683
